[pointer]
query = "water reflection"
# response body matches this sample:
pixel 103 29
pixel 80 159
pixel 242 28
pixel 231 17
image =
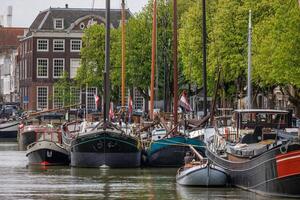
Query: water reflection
pixel 19 181
pixel 8 146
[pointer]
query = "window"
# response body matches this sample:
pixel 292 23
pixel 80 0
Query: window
pixel 75 96
pixel 58 23
pixel 76 45
pixel 90 98
pixel 42 98
pixel 58 95
pixel 74 65
pixel 42 67
pixel 58 67
pixel 59 45
pixel 138 100
pixel 42 45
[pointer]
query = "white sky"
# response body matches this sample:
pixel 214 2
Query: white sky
pixel 25 11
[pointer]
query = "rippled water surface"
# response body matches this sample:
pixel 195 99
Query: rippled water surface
pixel 18 181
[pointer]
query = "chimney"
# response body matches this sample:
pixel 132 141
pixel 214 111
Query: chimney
pixel 9 16
pixel 67 6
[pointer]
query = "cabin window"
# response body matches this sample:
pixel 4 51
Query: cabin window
pixel 42 98
pixel 42 68
pixel 58 67
pixel 42 45
pixel 75 45
pixel 59 23
pixel 59 45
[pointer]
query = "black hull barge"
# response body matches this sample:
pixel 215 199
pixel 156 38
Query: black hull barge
pixel 47 153
pixel 109 147
pixel 273 173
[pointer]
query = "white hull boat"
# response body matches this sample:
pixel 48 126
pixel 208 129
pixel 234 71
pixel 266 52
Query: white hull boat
pixel 205 175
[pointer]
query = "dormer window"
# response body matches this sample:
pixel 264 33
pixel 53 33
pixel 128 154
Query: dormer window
pixel 59 23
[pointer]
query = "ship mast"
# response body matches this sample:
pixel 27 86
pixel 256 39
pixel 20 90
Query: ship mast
pixel 249 85
pixel 123 56
pixel 153 60
pixel 175 77
pixel 107 63
pixel 204 58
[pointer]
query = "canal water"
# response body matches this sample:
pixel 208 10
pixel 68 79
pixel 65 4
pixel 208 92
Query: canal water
pixel 19 181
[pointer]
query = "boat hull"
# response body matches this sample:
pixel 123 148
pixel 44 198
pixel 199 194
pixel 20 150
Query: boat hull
pixel 202 175
pixel 9 130
pixel 105 148
pixel 47 153
pixel 170 152
pixel 275 172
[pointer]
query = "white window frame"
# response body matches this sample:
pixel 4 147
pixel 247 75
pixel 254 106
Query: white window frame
pixel 76 50
pixel 37 97
pixel 53 70
pixel 90 98
pixel 37 45
pixel 72 100
pixel 55 103
pixel 37 67
pixel 63 43
pixel 72 67
pixel 62 23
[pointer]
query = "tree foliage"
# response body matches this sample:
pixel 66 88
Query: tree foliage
pixel 276 45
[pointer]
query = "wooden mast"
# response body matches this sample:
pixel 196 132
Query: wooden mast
pixel 175 77
pixel 153 60
pixel 204 58
pixel 123 56
pixel 107 63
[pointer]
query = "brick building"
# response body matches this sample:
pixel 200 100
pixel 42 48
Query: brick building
pixel 51 46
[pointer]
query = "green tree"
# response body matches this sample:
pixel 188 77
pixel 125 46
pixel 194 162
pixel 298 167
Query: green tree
pixel 277 48
pixel 63 91
pixel 92 54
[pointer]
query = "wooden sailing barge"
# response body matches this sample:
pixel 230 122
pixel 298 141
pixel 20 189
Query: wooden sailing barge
pixel 103 143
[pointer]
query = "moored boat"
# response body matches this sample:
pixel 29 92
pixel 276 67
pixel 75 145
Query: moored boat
pixel 204 175
pixel 261 161
pixel 170 152
pixel 29 129
pixel 48 150
pixel 9 129
pixel 109 146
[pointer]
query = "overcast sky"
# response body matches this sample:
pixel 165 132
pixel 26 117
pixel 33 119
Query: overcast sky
pixel 25 11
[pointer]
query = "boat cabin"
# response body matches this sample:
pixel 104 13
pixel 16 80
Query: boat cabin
pixel 252 118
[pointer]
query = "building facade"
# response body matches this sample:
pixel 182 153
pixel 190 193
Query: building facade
pixel 50 47
pixel 9 43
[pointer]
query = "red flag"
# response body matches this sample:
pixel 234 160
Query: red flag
pixel 111 111
pixel 183 102
pixel 96 100
pixel 130 106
